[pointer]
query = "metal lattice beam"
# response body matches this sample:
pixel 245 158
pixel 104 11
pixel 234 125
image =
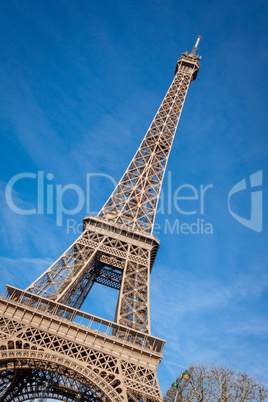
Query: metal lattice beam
pixel 31 384
pixel 134 201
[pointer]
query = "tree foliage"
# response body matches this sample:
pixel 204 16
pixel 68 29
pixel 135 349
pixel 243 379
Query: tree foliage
pixel 217 384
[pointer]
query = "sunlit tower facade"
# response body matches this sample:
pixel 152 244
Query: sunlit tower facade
pixel 48 346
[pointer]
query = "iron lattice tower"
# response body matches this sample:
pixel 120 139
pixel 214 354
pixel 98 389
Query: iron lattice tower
pixel 48 347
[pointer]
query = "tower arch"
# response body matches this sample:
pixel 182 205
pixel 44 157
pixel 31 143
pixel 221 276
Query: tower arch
pixel 27 375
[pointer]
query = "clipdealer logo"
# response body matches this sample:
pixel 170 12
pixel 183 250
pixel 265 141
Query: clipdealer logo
pixel 255 220
pixel 185 200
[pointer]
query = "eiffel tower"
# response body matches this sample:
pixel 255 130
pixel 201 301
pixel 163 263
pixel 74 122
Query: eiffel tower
pixel 49 348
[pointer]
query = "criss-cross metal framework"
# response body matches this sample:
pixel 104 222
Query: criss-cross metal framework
pixel 44 351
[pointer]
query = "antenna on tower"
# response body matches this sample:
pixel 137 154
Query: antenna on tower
pixel 193 52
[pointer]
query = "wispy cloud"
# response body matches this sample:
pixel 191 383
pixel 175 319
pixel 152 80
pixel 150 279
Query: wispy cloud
pixel 206 319
pixel 21 272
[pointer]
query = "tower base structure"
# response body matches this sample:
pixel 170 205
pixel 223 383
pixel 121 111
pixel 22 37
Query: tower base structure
pixel 49 349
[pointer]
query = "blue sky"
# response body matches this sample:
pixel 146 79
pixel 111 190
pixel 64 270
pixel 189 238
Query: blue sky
pixel 80 83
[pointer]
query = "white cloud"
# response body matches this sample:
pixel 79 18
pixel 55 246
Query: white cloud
pixel 21 272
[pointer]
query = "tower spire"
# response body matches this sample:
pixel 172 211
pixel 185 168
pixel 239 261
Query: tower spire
pixel 193 52
pixel 133 202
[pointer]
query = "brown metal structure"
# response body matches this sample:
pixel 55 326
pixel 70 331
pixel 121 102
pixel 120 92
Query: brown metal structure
pixel 48 347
